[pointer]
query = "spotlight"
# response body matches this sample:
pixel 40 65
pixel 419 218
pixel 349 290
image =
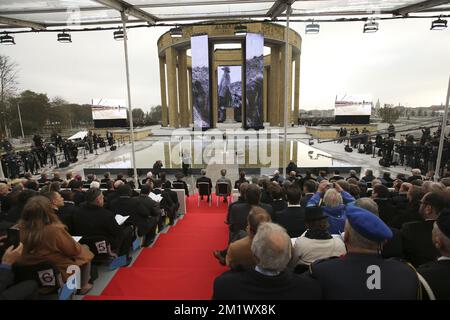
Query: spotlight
pixel 240 30
pixel 371 26
pixel 7 39
pixel 439 24
pixel 176 32
pixel 64 37
pixel 312 28
pixel 118 35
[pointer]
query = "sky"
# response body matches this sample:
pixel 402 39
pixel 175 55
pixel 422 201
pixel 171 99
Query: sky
pixel 404 62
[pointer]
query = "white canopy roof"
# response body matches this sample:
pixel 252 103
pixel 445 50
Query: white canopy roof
pixel 79 135
pixel 40 14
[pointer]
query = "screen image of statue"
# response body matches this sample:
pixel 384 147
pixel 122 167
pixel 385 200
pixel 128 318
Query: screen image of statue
pixel 229 91
pixel 254 70
pixel 201 108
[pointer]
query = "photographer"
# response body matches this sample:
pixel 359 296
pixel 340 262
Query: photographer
pixel 9 290
pixel 333 200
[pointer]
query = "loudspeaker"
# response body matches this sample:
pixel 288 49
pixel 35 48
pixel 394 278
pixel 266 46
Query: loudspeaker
pixel 113 148
pixel 348 149
pixel 64 164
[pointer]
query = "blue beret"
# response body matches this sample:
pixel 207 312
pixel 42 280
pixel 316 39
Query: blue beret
pixel 368 224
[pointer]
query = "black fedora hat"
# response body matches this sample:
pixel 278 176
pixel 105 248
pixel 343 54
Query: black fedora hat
pixel 314 214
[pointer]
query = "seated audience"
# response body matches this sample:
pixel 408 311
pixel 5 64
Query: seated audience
pixel 78 193
pixel 106 177
pixel 437 273
pixel 239 252
pixel 336 176
pixel 380 194
pixel 166 184
pixel 309 188
pixel 204 179
pixel 353 175
pixel 293 217
pixel 56 177
pixel 149 217
pixel 411 212
pixel 45 239
pixel 276 192
pixel 57 202
pixel 416 175
pixel 368 177
pixel 224 180
pixel 316 243
pixel 270 279
pixel 353 276
pixel 241 179
pixel 322 176
pixel 14 214
pixel 92 220
pixel 418 247
pixel 277 177
pixel 181 184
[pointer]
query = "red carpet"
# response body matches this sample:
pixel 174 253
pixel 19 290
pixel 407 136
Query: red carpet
pixel 180 266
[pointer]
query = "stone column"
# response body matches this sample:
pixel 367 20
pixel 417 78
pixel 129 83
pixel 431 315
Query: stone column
pixel 162 80
pixel 190 96
pixel 274 86
pixel 296 88
pixel 265 102
pixel 171 61
pixel 183 87
pixel 283 85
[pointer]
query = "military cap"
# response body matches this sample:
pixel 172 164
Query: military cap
pixel 367 224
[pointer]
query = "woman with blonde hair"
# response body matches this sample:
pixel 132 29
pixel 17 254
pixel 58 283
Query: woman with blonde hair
pixel 45 239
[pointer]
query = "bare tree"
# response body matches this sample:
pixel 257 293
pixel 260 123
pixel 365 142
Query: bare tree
pixel 8 86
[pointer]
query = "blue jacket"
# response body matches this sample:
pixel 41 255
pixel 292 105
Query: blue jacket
pixel 336 216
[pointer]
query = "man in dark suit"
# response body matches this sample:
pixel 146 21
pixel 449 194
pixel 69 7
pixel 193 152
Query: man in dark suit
pixel 269 279
pixel 380 195
pixel 309 188
pixel 239 212
pixel 293 217
pixel 204 178
pixel 241 179
pixel 336 176
pixel 179 183
pixel 150 215
pixel 418 247
pixel 78 193
pixel 362 273
pixel 169 202
pixel 92 220
pixel 437 273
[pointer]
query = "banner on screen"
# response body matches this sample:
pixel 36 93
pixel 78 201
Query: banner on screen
pixel 108 109
pixel 254 70
pixel 353 105
pixel 201 108
pixel 229 91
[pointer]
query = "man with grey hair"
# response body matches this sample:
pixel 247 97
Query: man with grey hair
pixel 270 279
pixel 416 175
pixel 353 175
pixel 224 180
pixel 363 273
pixel 204 178
pixel 437 273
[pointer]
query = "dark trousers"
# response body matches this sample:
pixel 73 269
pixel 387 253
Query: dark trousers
pixel 123 245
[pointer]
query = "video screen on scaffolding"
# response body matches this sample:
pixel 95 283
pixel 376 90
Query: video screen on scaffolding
pixel 109 113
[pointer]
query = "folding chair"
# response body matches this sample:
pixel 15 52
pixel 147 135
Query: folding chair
pixel 222 191
pixel 100 247
pixel 46 274
pixel 204 190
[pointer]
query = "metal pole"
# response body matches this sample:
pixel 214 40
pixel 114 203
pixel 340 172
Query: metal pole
pixel 286 86
pixel 441 141
pixel 20 120
pixel 125 46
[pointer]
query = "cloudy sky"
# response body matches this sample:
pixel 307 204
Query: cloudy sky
pixel 403 63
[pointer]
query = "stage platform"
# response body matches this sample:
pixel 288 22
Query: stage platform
pixel 330 132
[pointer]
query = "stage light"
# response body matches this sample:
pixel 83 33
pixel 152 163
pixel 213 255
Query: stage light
pixel 240 30
pixel 118 35
pixel 7 39
pixel 64 37
pixel 176 32
pixel 312 28
pixel 439 24
pixel 371 26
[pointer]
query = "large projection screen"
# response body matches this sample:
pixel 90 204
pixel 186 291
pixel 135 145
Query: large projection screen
pixel 229 91
pixel 254 70
pixel 201 107
pixel 353 105
pixel 108 113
